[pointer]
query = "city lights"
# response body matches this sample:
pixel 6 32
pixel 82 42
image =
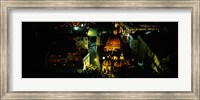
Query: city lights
pixel 95 59
pixel 100 49
pixel 76 27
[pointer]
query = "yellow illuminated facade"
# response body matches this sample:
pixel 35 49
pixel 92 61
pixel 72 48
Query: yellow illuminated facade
pixel 145 51
pixel 106 66
pixel 86 61
pixel 113 62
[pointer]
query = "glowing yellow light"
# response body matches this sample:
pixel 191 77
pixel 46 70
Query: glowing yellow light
pixel 95 59
pixel 116 24
pixel 115 32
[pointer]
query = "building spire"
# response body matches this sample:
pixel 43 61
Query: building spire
pixel 122 56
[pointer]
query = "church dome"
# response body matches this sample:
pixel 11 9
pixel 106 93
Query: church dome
pixel 113 43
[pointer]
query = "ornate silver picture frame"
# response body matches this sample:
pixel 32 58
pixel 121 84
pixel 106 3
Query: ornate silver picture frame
pixel 7 5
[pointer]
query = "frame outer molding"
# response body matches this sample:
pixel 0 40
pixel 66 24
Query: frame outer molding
pixel 6 5
pixel 3 53
pixel 196 49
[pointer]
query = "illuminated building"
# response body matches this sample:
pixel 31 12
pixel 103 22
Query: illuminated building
pixel 75 58
pixel 106 66
pixel 148 56
pixel 155 52
pixel 69 60
pixel 101 49
pixel 113 43
pixel 81 42
pixel 111 66
pixel 92 32
pixel 113 61
pixel 56 59
pixel 121 62
pixel 86 62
